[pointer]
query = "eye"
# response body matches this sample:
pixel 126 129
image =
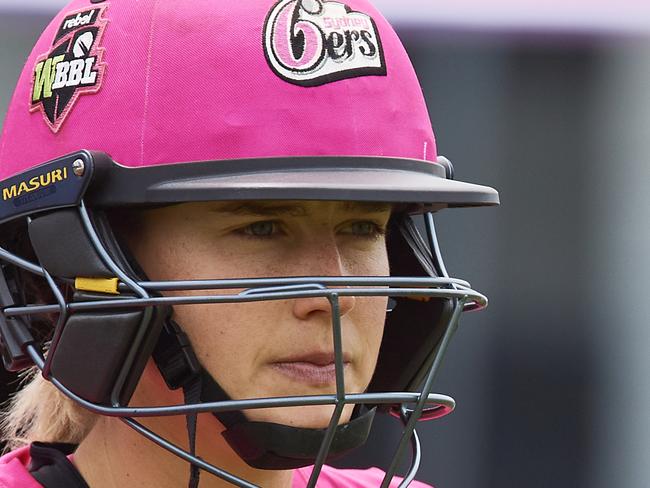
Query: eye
pixel 364 228
pixel 265 228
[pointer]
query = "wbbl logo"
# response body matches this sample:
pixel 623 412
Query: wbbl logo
pixel 313 42
pixel 71 68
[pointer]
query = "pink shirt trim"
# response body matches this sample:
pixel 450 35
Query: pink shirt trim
pixel 14 474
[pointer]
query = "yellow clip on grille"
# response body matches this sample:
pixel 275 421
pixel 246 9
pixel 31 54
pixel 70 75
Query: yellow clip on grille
pixel 100 285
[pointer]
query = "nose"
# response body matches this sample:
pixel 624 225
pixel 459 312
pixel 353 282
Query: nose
pixel 322 259
pixel 305 308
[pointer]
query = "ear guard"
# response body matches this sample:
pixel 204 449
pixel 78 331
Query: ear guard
pixel 98 355
pixel 406 355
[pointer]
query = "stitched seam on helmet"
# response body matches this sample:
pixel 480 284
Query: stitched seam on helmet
pixel 147 80
pixel 354 119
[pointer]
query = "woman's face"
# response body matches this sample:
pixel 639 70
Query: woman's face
pixel 274 348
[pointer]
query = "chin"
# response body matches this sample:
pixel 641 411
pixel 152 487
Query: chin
pixel 309 417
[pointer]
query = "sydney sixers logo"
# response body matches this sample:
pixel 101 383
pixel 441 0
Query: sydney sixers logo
pixel 71 68
pixel 313 42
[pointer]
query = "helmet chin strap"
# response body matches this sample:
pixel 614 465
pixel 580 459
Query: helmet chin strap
pixel 262 445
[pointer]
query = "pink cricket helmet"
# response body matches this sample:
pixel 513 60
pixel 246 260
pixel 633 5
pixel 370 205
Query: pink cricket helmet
pixel 155 83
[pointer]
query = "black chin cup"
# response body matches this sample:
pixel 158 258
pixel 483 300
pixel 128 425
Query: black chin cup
pixel 265 445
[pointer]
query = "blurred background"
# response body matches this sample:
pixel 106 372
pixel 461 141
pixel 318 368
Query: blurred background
pixel 549 102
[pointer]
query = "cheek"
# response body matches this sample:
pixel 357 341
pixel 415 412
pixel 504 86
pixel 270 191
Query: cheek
pixel 371 311
pixel 368 262
pixel 231 340
pixel 371 317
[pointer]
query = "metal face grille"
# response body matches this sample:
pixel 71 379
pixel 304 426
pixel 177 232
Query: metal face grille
pixel 408 406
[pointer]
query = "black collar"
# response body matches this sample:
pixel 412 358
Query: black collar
pixel 51 467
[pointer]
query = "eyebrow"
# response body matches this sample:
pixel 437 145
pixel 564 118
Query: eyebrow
pixel 295 210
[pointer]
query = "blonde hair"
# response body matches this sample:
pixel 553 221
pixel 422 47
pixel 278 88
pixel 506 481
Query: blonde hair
pixel 40 412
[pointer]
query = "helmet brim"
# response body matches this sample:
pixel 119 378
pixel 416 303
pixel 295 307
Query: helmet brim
pixel 342 178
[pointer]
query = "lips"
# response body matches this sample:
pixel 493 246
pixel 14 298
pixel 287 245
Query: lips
pixel 314 369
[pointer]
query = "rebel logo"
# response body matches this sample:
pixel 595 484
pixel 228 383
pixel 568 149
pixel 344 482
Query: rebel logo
pixel 313 42
pixel 71 68
pixel 76 20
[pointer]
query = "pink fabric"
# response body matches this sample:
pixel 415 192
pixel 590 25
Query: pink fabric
pixel 13 470
pixel 189 81
pixel 348 478
pixel 14 474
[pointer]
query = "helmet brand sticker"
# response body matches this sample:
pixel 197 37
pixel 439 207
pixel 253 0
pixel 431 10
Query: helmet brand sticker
pixel 71 68
pixel 313 42
pixel 51 185
pixel 46 182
